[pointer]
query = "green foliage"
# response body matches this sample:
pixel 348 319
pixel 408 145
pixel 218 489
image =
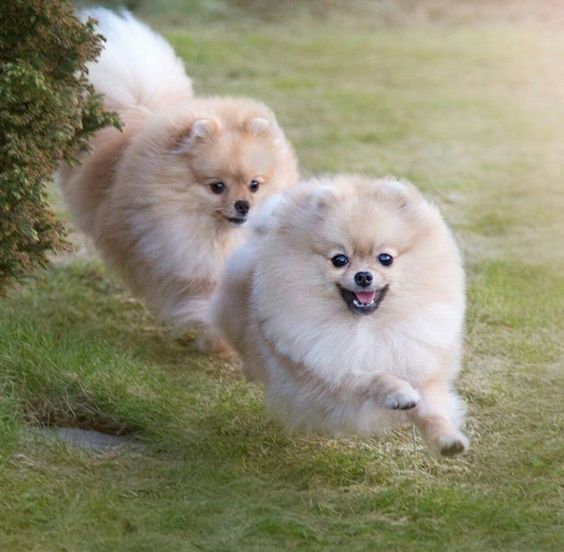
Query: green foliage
pixel 47 112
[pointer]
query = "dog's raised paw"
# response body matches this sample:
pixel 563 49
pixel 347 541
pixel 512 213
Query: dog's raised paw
pixel 406 399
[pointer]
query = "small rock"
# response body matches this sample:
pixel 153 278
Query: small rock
pixel 88 438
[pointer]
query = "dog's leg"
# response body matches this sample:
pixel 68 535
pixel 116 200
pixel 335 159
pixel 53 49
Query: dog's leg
pixel 208 341
pixel 437 416
pixel 392 392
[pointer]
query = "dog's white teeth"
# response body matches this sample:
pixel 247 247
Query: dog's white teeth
pixel 357 303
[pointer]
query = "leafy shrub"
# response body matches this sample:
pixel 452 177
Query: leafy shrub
pixel 48 110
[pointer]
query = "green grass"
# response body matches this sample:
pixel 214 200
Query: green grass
pixel 471 113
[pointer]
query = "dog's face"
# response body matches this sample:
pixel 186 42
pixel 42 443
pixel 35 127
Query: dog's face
pixel 360 283
pixel 360 248
pixel 228 168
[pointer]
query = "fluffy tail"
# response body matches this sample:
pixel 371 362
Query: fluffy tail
pixel 137 66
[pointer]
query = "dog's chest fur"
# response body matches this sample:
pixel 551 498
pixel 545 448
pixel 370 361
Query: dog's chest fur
pixel 413 349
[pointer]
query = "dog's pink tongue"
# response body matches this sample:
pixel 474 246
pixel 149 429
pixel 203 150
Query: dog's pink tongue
pixel 365 297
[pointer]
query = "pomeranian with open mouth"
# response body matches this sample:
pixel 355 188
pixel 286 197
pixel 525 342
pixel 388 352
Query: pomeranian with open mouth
pixel 166 199
pixel 347 302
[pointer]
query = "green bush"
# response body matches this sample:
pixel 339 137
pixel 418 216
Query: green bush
pixel 48 110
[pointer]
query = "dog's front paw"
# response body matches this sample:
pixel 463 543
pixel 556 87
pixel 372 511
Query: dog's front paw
pixel 402 399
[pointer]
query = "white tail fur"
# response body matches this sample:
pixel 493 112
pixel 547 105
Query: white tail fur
pixel 137 66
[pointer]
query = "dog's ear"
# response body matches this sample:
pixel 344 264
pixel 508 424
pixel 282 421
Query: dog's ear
pixel 323 197
pixel 199 130
pixel 404 194
pixel 257 126
pixel 261 126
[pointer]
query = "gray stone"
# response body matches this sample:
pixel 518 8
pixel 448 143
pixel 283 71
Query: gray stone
pixel 88 438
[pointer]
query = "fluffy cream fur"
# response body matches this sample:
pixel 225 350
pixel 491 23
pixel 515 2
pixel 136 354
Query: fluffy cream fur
pixel 326 367
pixel 146 194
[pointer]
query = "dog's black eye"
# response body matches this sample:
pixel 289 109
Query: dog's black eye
pixel 340 260
pixel 217 187
pixel 254 186
pixel 385 259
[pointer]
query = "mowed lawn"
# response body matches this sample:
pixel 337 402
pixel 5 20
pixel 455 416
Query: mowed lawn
pixel 474 115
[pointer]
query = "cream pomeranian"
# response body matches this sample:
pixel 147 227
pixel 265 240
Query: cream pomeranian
pixel 166 199
pixel 347 302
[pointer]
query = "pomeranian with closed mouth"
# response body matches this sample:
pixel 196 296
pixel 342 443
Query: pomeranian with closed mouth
pixel 347 302
pixel 166 200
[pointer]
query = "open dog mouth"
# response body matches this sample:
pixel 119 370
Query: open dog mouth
pixel 363 302
pixel 237 221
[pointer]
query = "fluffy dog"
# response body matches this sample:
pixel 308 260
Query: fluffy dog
pixel 166 199
pixel 347 302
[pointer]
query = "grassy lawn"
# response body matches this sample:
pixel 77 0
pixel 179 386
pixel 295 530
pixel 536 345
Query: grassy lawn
pixel 473 113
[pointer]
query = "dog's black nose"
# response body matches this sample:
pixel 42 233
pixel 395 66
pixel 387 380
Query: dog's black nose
pixel 242 207
pixel 363 279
